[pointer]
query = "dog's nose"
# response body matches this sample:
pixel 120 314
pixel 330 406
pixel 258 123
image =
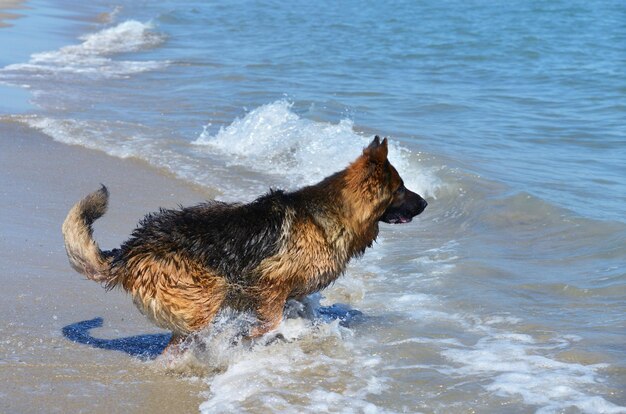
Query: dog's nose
pixel 421 205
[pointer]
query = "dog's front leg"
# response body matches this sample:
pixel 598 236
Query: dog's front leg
pixel 270 313
pixel 264 327
pixel 174 346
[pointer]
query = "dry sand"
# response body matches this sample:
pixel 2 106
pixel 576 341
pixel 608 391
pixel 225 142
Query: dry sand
pixel 41 369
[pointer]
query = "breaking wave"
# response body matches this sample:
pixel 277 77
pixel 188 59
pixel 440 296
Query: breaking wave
pixel 92 56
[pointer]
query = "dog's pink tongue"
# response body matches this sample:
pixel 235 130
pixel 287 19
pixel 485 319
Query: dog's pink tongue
pixel 401 220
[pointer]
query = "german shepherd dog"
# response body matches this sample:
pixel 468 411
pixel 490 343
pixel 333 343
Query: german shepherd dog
pixel 182 266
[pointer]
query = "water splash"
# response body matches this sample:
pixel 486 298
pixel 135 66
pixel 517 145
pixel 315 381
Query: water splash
pixel 274 139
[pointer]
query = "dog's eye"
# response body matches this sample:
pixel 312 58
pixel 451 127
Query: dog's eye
pixel 400 190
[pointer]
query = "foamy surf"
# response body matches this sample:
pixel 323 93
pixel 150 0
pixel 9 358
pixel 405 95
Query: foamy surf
pixel 91 57
pixel 273 139
pixel 270 146
pixel 495 350
pixel 309 364
pixel 517 365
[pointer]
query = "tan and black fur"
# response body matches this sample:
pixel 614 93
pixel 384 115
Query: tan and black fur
pixel 182 266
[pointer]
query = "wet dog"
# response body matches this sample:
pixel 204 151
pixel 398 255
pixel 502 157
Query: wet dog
pixel 182 266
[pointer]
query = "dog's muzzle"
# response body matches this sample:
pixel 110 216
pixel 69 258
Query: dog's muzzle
pixel 412 206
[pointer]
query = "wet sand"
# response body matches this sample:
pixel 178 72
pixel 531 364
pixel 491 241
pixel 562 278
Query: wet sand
pixel 50 361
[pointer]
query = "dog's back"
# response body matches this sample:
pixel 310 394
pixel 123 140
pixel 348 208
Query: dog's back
pixel 230 239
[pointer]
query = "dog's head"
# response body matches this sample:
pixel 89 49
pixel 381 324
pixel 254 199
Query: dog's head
pixel 402 203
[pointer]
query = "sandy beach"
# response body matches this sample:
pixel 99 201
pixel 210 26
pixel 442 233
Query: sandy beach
pixel 42 369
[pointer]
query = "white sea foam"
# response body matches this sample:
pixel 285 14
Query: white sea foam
pixel 274 139
pixel 516 365
pixel 91 56
pixel 123 140
pixel 509 364
pixel 270 147
pixel 315 367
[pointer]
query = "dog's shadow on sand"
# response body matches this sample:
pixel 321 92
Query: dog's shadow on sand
pixel 150 346
pixel 147 346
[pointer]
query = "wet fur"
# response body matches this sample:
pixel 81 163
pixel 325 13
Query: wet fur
pixel 182 266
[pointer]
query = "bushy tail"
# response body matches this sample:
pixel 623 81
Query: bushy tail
pixel 82 250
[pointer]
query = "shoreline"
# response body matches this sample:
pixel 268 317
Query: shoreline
pixel 40 363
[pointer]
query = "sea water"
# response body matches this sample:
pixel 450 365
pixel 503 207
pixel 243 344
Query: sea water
pixel 508 294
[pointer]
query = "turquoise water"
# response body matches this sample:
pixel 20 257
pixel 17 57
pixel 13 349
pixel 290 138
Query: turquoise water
pixel 508 117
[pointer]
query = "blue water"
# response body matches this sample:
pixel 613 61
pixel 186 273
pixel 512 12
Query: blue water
pixel 507 116
pixel 532 94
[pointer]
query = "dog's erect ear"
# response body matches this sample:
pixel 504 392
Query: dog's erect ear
pixel 375 142
pixel 377 151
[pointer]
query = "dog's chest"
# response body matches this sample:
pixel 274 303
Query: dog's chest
pixel 312 263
